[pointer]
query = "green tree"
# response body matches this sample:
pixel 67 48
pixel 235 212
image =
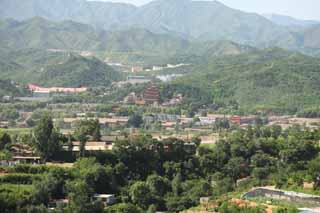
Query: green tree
pixel 88 127
pixel 123 208
pixel 80 195
pixel 158 185
pixel 4 140
pixel 235 168
pixel 46 138
pixel 135 121
pixel 141 195
pixel 176 184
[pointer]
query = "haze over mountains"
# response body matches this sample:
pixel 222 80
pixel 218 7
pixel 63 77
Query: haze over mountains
pixel 193 20
pixel 290 21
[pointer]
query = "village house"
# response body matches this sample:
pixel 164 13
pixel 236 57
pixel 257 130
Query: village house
pixel 22 154
pixel 112 138
pixel 114 122
pixel 169 125
pixel 136 69
pixel 90 146
pixel 206 121
pixel 240 120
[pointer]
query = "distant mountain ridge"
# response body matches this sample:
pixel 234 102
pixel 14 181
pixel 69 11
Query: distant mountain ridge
pixel 204 20
pixel 39 33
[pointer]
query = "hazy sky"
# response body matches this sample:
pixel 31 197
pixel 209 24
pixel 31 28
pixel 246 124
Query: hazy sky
pixel 303 9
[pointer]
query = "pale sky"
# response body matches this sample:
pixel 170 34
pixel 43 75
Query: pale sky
pixel 302 9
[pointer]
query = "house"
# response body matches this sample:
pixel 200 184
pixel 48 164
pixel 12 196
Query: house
pixel 242 120
pixel 112 138
pixel 168 124
pixel 110 122
pixel 106 199
pixel 157 68
pixel 57 202
pixel 206 121
pixel 26 159
pixel 137 79
pixel 130 99
pixel 24 154
pixel 90 146
pixel 114 121
pixel 136 69
pixel 7 98
pixel 41 94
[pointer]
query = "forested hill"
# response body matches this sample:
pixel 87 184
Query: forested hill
pixel 265 79
pixel 49 68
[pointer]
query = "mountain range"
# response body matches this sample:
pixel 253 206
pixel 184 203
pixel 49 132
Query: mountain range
pixel 196 20
pixel 39 33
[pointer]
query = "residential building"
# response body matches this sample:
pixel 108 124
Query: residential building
pixel 90 146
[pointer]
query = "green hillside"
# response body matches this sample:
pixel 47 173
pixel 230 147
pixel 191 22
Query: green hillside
pixel 56 69
pixel 8 89
pixel 267 79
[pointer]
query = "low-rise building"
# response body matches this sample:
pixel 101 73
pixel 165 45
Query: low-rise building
pixel 90 146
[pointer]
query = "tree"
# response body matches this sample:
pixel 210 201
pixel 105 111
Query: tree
pixel 82 147
pixel 88 128
pixel 176 184
pixel 123 208
pixel 141 195
pixel 98 178
pixel 152 209
pixel 135 121
pixel 80 195
pixel 4 140
pixel 235 168
pixel 46 138
pixel 314 171
pixel 158 185
pixel 70 144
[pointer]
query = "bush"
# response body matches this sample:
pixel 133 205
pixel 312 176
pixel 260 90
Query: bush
pixel 123 208
pixel 29 169
pixel 19 178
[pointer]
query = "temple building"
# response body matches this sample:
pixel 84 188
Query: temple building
pixel 152 94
